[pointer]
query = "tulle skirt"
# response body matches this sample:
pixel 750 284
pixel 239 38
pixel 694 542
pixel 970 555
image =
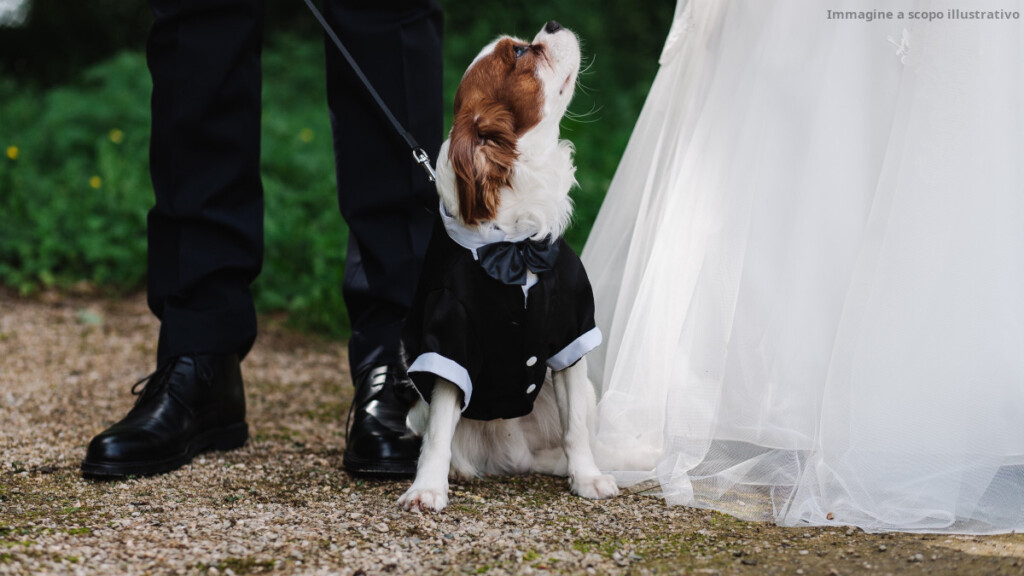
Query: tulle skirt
pixel 809 269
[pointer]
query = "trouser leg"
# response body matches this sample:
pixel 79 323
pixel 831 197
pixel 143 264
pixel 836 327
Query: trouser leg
pixel 385 197
pixel 206 229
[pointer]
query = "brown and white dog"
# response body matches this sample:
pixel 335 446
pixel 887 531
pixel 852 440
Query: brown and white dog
pixel 505 169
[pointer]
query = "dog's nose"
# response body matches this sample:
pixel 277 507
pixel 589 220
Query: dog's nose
pixel 551 27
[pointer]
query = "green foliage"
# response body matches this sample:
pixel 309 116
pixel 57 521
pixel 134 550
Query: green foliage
pixel 304 234
pixel 74 181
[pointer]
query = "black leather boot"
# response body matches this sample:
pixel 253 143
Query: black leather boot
pixel 189 405
pixel 378 442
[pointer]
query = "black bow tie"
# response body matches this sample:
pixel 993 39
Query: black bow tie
pixel 508 261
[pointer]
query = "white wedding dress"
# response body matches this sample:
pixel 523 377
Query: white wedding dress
pixel 809 269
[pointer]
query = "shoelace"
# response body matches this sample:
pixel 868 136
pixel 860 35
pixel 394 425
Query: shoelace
pixel 156 381
pixel 374 381
pixel 150 384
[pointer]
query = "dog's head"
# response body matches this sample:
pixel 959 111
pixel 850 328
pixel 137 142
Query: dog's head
pixel 507 112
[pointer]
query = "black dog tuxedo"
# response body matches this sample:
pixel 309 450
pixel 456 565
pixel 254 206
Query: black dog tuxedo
pixel 495 338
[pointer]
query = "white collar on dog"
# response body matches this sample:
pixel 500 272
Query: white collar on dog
pixel 477 236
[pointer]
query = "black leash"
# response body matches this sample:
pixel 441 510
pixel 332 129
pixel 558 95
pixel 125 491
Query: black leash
pixel 418 154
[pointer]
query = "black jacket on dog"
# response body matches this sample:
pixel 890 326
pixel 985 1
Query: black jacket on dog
pixel 489 338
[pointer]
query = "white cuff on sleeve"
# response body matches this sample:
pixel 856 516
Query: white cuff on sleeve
pixel 446 368
pixel 577 349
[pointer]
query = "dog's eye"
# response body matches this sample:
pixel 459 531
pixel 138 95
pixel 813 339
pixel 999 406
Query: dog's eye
pixel 520 50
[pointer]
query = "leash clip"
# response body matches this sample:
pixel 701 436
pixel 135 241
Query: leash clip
pixel 421 158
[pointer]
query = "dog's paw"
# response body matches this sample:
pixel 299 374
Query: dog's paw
pixel 595 487
pixel 424 498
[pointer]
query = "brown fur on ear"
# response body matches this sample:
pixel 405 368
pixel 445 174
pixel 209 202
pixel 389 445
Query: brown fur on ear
pixel 482 151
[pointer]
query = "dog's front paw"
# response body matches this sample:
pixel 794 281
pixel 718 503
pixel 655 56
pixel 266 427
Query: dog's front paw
pixel 595 487
pixel 424 498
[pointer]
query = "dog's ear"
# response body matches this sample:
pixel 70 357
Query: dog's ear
pixel 482 151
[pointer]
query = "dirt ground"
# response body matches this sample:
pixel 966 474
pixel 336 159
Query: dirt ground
pixel 283 504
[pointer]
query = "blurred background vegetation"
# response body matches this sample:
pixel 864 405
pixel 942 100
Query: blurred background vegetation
pixel 74 130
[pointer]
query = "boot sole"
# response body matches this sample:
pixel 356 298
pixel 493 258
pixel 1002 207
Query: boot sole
pixel 226 438
pixel 387 470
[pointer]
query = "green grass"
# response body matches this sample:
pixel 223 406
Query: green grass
pixel 74 181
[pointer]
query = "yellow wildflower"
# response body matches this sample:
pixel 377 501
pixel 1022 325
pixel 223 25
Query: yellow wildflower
pixel 116 136
pixel 95 182
pixel 306 135
pixel 12 152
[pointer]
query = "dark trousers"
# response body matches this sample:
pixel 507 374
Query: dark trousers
pixel 206 229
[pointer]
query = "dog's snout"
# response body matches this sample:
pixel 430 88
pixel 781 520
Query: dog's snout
pixel 551 27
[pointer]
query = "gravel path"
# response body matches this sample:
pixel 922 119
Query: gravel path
pixel 282 503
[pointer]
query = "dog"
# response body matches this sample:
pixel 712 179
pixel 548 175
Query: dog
pixel 503 315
